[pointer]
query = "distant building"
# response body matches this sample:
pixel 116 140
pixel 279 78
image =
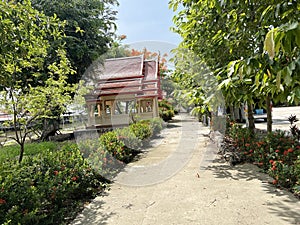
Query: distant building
pixel 127 89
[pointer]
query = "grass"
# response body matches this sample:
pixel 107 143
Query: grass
pixel 11 152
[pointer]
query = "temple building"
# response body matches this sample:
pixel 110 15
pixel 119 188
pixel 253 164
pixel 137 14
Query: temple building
pixel 128 89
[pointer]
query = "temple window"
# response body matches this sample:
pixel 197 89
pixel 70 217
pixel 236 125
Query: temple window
pixel 146 105
pixel 125 107
pixel 108 106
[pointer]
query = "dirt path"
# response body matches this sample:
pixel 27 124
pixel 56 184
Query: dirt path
pixel 180 180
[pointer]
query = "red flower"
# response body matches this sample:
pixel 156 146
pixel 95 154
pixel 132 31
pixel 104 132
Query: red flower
pixel 277 151
pixel 55 172
pixel 290 150
pixel 285 152
pixel 273 168
pixel 2 201
pixel 275 181
pixel 258 144
pixel 247 144
pixel 251 151
pixel 271 161
pixel 74 178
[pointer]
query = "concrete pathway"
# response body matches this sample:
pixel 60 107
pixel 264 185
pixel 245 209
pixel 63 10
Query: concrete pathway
pixel 181 180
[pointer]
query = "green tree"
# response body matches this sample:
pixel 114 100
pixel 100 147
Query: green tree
pixel 196 85
pixel 89 30
pixel 229 37
pixel 31 87
pixel 89 33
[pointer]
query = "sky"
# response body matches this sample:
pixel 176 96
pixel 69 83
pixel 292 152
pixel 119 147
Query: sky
pixel 146 23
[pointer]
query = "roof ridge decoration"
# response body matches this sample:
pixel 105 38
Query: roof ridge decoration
pixel 126 57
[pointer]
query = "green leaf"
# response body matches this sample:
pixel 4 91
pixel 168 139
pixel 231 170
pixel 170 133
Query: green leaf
pixel 287 13
pixel 287 42
pixel 173 5
pixel 248 81
pixel 231 68
pixel 292 66
pixel 297 36
pixel 265 12
pixel 287 76
pixel 265 78
pixel 278 80
pixel 297 92
pixel 269 44
pixel 248 70
pixel 278 37
pixel 224 83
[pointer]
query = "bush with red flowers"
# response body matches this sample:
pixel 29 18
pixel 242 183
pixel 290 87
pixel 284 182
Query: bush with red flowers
pixel 277 153
pixel 46 188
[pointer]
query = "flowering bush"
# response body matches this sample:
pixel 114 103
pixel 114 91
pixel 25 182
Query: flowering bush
pixel 277 153
pixel 52 180
pixel 124 143
pixel 44 187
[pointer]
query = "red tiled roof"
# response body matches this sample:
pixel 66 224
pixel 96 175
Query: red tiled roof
pixel 129 75
pixel 123 67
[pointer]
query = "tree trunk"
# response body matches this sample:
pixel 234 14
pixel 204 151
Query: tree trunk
pixel 50 128
pixel 21 152
pixel 269 114
pixel 251 118
pixel 232 115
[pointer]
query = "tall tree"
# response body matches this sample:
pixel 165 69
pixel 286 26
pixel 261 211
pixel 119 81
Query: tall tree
pixel 89 30
pixel 230 36
pixel 31 86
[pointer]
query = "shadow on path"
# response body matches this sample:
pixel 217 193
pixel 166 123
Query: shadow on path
pixel 287 207
pixel 94 215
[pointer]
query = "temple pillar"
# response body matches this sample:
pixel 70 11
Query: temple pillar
pixel 155 107
pixel 99 108
pixel 91 114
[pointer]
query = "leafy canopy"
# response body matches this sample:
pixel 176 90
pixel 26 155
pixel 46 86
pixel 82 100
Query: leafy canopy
pixel 31 87
pixel 89 29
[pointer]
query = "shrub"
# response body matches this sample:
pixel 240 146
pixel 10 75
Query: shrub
pixel 109 142
pixel 42 189
pixel 124 143
pixel 166 115
pixel 166 111
pixel 156 125
pixel 128 137
pixel 49 184
pixel 142 130
pixel 277 153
